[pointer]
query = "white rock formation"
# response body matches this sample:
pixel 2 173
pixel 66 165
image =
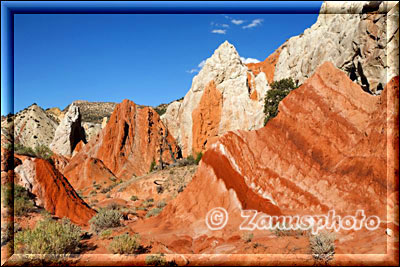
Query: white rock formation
pixel 33 127
pixel 353 41
pixel 91 129
pixel 229 74
pixel 68 133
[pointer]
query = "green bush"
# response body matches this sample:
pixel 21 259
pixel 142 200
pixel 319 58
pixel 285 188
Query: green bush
pixel 125 244
pixel 23 203
pixel 41 151
pixel 198 158
pixel 323 246
pixel 190 160
pixel 105 234
pixel 279 90
pixel 49 237
pixel 134 198
pixel 105 219
pixel 161 204
pixel 247 237
pixel 152 165
pixel 153 212
pixel 155 260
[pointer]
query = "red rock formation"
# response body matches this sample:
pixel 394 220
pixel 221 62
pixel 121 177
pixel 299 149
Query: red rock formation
pixel 132 139
pixel 206 118
pixel 267 66
pixel 52 190
pixel 325 150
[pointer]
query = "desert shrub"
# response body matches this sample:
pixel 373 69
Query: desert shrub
pixel 155 260
pixel 153 212
pixel 49 237
pixel 142 208
pixel 190 160
pixel 181 188
pixel 23 150
pixel 160 189
pixel 198 158
pixel 323 246
pixel 105 219
pixel 247 237
pixel 23 203
pixel 43 152
pixel 108 196
pixel 125 244
pixel 279 90
pixel 152 165
pixel 97 186
pixel 105 234
pixel 161 204
pixel 134 198
pixel 114 206
pixel 93 193
pixel 113 179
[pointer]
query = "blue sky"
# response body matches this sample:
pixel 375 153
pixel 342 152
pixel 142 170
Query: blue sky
pixel 149 59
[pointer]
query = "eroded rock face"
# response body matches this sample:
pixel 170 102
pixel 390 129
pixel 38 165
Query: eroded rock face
pixel 240 100
pixel 69 133
pixel 355 43
pixel 33 127
pixel 52 190
pixel 267 66
pixel 132 139
pixel 91 129
pixel 323 151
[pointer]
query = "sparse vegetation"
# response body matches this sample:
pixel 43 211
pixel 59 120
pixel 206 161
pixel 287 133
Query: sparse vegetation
pixel 152 165
pixel 199 155
pixel 160 189
pixel 105 234
pixel 23 203
pixel 134 198
pixel 247 237
pixel 49 237
pixel 153 212
pixel 41 151
pixel 279 90
pixel 125 244
pixel 155 260
pixel 105 219
pixel 161 204
pixel 190 160
pixel 323 246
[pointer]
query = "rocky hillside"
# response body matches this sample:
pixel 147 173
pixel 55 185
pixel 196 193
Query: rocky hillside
pixel 364 45
pixel 94 112
pixel 313 157
pixel 33 127
pixel 132 139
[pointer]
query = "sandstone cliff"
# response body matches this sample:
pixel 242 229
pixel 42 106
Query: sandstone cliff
pixel 224 96
pixel 131 140
pixel 68 133
pixel 357 37
pixel 51 190
pixel 325 150
pixel 33 127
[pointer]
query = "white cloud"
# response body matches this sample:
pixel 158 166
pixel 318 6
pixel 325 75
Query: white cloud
pixel 201 64
pixel 192 71
pixel 237 21
pixel 219 31
pixel 225 25
pixel 249 60
pixel 199 67
pixel 254 23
